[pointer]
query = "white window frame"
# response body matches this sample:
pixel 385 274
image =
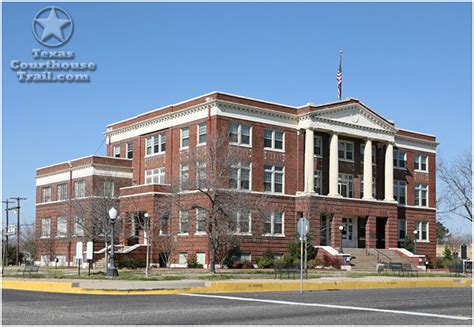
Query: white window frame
pixel 398 185
pixel 417 161
pixel 180 232
pixel 44 191
pixel 150 141
pixel 184 167
pixel 272 224
pixel 198 211
pixel 346 151
pixel 63 222
pixel 158 173
pixel 239 135
pixel 183 255
pixel 58 193
pixel 106 186
pixel 419 188
pixel 404 224
pixel 182 138
pixel 317 137
pixel 43 225
pixel 199 134
pixel 239 167
pixel 346 179
pixel 397 161
pixel 273 173
pixel 238 217
pixel 129 149
pixel 318 175
pixel 273 140
pixel 116 154
pixel 419 227
pixel 82 194
pixel 201 173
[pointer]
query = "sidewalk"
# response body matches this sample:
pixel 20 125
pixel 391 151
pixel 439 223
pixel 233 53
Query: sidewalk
pixel 124 287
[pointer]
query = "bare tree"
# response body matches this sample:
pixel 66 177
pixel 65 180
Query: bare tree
pixel 28 242
pixel 456 179
pixel 47 249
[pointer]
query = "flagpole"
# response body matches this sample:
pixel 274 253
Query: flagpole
pixel 340 67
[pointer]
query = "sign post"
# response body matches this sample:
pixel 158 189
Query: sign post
pixel 90 255
pixel 79 255
pixel 302 228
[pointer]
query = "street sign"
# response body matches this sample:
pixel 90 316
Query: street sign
pixel 302 227
pixel 90 251
pixel 11 230
pixel 79 251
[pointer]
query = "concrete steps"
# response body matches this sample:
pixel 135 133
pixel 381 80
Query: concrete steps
pixel 360 261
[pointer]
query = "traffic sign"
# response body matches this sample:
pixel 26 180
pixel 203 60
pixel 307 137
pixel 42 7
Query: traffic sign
pixel 302 227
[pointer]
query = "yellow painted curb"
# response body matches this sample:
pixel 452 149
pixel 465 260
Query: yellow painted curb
pixel 242 286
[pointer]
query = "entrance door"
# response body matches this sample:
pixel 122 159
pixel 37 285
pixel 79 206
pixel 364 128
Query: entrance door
pixel 349 234
pixel 380 232
pixel 362 222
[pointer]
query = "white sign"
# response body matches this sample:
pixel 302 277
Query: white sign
pixel 90 251
pixel 79 251
pixel 11 230
pixel 302 227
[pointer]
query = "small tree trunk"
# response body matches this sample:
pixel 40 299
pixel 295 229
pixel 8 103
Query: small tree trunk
pixel 106 257
pixel 212 261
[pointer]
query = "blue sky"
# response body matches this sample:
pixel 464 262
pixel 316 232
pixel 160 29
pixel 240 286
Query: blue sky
pixel 409 62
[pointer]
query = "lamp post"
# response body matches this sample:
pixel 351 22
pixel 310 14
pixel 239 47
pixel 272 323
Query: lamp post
pixel 415 233
pixel 111 270
pixel 341 229
pixel 146 242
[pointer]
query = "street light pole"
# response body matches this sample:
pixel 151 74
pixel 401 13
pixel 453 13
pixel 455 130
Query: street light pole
pixel 112 270
pixel 415 232
pixel 341 229
pixel 17 208
pixel 147 216
pixel 7 209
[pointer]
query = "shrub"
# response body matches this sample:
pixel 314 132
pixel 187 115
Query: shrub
pixel 237 264
pixel 315 263
pixel 266 261
pixel 192 262
pixel 247 265
pixel 294 248
pixel 447 254
pixel 409 243
pixel 130 263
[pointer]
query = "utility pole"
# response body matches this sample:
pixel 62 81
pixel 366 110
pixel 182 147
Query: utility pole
pixel 17 208
pixel 7 209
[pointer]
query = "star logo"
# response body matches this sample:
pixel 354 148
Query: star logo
pixel 52 26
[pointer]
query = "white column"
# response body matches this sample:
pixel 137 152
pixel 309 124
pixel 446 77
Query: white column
pixel 368 170
pixel 309 161
pixel 389 173
pixel 333 165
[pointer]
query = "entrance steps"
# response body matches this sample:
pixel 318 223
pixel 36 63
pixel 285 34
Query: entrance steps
pixel 363 260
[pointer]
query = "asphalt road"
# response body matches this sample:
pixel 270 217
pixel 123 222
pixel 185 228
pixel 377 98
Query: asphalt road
pixel 434 306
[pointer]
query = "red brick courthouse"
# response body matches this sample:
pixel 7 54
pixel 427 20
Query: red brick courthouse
pixel 337 164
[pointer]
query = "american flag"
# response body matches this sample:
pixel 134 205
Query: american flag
pixel 339 78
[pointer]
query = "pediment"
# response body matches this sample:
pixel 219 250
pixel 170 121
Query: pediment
pixel 354 115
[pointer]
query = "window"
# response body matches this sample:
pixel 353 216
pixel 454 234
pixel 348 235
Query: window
pixel 318 181
pixel 273 224
pixel 155 176
pixel 346 150
pixel 272 139
pixel 183 258
pixel 239 177
pixel 78 226
pixel 183 221
pixel 184 138
pixel 61 226
pixel 362 149
pixel 239 134
pixel 362 186
pixel 201 258
pixel 346 185
pixel 421 163
pixel 240 222
pixel 79 189
pixel 202 133
pixel 117 151
pixel 184 177
pixel 399 159
pixel 318 146
pixel 200 220
pixel 273 179
pixel 399 191
pixel 46 227
pixel 422 228
pixel 108 188
pixel 201 174
pixel 155 144
pixel 130 150
pixel 46 194
pixel 62 192
pixel 421 195
pixel 402 229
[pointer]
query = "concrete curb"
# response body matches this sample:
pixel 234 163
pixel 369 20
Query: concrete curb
pixel 242 286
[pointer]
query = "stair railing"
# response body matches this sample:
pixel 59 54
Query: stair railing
pixel 378 254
